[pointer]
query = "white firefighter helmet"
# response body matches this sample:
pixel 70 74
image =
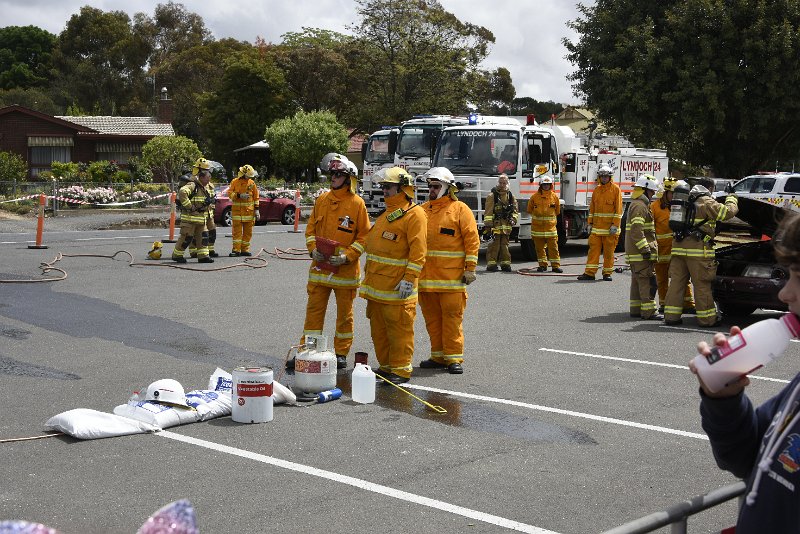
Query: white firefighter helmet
pixel 445 177
pixel 546 180
pixel 247 170
pixel 166 391
pixel 647 181
pixel 605 170
pixel 329 158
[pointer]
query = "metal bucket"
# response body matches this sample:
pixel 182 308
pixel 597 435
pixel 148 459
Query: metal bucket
pixel 251 395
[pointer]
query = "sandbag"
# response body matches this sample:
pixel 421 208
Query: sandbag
pixel 159 415
pixel 84 423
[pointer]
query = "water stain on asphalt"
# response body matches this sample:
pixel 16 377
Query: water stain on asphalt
pixel 474 415
pixel 12 367
pixel 15 333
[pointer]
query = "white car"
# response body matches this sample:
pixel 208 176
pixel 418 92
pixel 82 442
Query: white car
pixel 780 189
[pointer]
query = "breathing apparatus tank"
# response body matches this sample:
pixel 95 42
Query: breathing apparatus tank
pixel 680 208
pixel 315 366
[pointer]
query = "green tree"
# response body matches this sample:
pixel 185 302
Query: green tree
pixel 99 60
pixel 25 57
pixel 167 156
pixel 171 30
pixel 12 167
pixel 412 56
pixel 315 67
pixel 190 74
pixel 713 81
pixel 252 93
pixel 32 98
pixel 542 110
pixel 492 92
pixel 298 143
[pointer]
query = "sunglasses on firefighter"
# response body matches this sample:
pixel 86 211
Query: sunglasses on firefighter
pixel 340 174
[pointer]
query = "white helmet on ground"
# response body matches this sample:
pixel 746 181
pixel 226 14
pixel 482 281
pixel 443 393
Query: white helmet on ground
pixel 166 391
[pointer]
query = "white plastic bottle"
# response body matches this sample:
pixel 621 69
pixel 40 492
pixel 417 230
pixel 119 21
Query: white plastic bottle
pixel 751 349
pixel 363 382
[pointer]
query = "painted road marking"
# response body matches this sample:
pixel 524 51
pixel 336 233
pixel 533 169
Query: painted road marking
pixel 358 483
pixel 646 362
pixel 559 411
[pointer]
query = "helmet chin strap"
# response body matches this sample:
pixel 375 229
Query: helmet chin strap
pixel 442 190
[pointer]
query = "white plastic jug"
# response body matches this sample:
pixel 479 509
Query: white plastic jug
pixel 363 381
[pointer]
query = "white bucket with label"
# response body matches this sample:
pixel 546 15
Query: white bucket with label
pixel 251 395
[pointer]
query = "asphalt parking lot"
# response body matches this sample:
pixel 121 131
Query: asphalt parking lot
pixel 570 416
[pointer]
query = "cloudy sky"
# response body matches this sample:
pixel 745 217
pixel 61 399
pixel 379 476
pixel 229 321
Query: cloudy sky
pixel 528 33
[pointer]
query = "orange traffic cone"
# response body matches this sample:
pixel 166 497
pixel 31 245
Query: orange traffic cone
pixel 40 224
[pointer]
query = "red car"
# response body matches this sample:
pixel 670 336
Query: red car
pixel 272 208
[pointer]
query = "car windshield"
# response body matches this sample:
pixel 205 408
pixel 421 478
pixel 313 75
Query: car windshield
pixel 478 151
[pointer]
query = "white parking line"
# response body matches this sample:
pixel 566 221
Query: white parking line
pixel 358 483
pixel 646 362
pixel 559 411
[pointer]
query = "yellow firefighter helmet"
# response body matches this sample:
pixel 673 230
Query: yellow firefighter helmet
pixel 397 175
pixel 155 252
pixel 247 170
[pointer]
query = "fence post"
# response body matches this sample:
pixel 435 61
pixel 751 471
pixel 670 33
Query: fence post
pixel 171 218
pixel 55 196
pixel 40 224
pixel 296 210
pixel 14 188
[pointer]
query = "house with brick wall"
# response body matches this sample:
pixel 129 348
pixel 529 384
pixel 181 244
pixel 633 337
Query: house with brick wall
pixel 41 139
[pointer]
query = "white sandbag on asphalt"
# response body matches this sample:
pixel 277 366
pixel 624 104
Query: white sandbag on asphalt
pixel 84 423
pixel 204 405
pixel 209 404
pixel 222 380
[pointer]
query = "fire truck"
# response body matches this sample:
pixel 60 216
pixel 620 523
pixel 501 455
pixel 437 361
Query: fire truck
pixel 478 152
pixel 411 146
pixel 378 153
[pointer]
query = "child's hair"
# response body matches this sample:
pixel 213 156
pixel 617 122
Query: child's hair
pixel 787 240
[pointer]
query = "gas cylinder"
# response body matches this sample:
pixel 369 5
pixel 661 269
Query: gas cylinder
pixel 315 366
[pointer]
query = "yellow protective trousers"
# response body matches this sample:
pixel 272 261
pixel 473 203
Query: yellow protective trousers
pixel 392 328
pixel 242 232
pixel 211 228
pixel 597 243
pixel 643 289
pixel 497 251
pixel 662 276
pixel 444 316
pixel 318 297
pixel 702 272
pixel 192 232
pixel 547 246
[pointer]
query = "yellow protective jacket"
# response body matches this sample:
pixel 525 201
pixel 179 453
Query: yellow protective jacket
pixel 493 211
pixel 243 206
pixel 193 203
pixel 341 216
pixel 708 212
pixel 453 244
pixel 395 251
pixel 544 207
pixel 640 231
pixel 663 231
pixel 605 209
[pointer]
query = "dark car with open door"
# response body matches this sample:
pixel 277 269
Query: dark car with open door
pixel 748 277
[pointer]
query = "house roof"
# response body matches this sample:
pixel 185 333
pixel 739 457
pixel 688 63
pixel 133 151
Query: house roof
pixel 122 125
pixel 49 118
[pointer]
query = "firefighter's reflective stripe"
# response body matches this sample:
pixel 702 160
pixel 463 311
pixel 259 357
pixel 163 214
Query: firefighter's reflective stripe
pixel 387 261
pixel 323 277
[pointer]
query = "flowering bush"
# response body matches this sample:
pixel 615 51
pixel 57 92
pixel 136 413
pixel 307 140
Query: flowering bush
pixel 139 196
pixel 74 191
pixel 101 195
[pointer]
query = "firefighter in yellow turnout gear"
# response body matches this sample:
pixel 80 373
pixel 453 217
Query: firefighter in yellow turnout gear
pixel 660 208
pixel 194 200
pixel 453 244
pixel 500 214
pixel 211 227
pixel 605 214
pixel 693 256
pixel 243 193
pixel 544 207
pixel 396 247
pixel 641 249
pixel 338 215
